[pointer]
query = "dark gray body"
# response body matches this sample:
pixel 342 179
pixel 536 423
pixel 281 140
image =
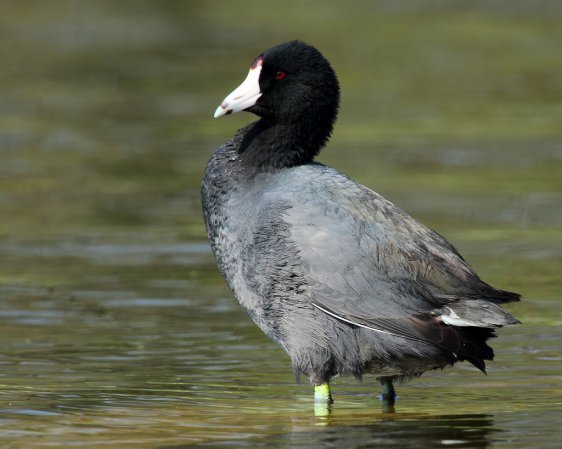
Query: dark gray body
pixel 342 279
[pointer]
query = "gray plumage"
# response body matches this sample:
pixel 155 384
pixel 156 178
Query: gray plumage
pixel 342 279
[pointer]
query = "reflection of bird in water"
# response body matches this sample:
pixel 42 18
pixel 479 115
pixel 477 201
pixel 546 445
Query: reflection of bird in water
pixel 399 431
pixel 342 279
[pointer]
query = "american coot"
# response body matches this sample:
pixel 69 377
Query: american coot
pixel 341 278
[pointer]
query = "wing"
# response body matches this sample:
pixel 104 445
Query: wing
pixel 370 264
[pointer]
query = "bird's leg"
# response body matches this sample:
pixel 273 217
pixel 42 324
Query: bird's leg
pixel 388 395
pixel 322 399
pixel 322 394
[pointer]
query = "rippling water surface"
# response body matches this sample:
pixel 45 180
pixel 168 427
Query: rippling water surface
pixel 116 330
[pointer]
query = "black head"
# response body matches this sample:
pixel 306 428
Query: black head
pixel 296 81
pixel 290 85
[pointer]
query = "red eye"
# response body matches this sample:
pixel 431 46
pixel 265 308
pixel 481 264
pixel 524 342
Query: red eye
pixel 280 75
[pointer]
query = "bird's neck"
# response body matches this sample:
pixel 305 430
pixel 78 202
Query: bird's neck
pixel 269 145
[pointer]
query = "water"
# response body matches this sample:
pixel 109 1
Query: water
pixel 116 329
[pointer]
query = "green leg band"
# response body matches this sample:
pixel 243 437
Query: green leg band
pixel 322 394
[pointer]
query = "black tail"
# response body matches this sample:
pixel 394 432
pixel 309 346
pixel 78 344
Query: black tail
pixel 461 343
pixel 475 348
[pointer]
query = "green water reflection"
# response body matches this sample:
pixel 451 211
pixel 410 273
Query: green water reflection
pixel 116 329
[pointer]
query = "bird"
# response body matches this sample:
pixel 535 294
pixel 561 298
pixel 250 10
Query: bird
pixel 346 282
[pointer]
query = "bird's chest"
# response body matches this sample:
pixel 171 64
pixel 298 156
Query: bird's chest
pixel 229 219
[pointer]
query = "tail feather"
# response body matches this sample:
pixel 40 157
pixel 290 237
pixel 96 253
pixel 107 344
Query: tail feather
pixel 478 350
pixel 461 342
